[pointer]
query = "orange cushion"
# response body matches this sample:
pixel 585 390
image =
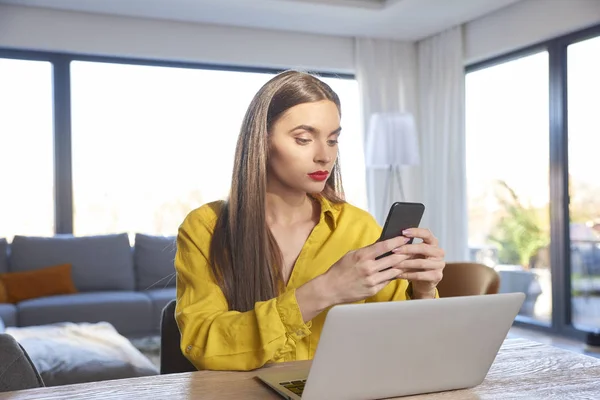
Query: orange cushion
pixel 41 282
pixel 3 295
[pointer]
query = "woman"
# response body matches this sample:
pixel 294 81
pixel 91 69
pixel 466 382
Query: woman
pixel 256 273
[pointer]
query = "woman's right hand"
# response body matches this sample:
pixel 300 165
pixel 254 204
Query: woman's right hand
pixel 355 276
pixel 358 274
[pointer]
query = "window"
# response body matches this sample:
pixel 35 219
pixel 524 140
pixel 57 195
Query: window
pixel 152 143
pixel 26 148
pixel 507 125
pixel 352 159
pixel 584 181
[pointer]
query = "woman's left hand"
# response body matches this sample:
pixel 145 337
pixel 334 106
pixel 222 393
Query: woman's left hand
pixel 425 265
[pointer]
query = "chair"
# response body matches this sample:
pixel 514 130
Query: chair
pixel 172 359
pixel 17 371
pixel 468 279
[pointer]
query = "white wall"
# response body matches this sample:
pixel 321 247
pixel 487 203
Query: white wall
pixel 84 33
pixel 526 23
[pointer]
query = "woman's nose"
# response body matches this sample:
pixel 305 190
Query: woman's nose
pixel 323 155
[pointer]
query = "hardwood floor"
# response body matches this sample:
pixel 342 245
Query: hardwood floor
pixel 564 343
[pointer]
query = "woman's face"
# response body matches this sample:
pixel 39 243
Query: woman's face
pixel 303 146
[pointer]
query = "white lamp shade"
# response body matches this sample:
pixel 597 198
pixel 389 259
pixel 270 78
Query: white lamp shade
pixel 392 141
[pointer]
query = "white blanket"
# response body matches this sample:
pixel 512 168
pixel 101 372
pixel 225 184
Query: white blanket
pixel 68 353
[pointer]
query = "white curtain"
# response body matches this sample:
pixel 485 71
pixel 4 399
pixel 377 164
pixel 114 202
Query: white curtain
pixel 386 72
pixel 442 140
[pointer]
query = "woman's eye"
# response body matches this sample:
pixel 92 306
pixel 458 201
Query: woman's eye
pixel 332 142
pixel 302 141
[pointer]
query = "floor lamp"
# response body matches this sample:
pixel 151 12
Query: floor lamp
pixel 392 143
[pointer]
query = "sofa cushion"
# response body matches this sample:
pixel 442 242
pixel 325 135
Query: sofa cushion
pixel 3 292
pixel 99 263
pixel 160 298
pixel 8 313
pixel 3 255
pixel 129 312
pixel 153 259
pixel 19 286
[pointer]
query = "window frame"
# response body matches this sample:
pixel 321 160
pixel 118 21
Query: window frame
pixel 560 260
pixel 62 132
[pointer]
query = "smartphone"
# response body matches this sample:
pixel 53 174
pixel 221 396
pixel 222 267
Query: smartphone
pixel 400 217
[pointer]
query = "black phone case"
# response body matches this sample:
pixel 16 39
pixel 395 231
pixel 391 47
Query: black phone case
pixel 401 216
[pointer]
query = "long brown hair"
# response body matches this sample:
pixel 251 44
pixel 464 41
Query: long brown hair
pixel 244 256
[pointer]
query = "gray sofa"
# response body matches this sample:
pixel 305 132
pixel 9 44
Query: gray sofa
pixel 122 284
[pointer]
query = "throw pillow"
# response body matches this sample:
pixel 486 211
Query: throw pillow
pixel 41 282
pixel 3 295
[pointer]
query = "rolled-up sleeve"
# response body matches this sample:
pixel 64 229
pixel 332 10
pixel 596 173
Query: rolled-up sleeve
pixel 212 337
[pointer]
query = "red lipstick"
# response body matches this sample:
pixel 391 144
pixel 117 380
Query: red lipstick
pixel 319 175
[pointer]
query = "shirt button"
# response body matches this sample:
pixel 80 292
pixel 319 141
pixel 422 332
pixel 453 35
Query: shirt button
pixel 299 332
pixel 188 349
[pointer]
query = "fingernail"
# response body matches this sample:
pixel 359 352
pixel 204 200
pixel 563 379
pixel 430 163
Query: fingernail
pixel 406 232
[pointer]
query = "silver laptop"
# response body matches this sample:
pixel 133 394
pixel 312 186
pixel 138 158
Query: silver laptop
pixel 390 349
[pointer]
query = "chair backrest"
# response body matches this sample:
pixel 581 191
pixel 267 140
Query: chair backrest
pixel 468 279
pixel 17 371
pixel 172 359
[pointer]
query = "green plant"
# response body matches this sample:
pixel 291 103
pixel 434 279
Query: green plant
pixel 519 233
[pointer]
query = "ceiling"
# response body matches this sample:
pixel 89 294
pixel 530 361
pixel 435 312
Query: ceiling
pixel 394 19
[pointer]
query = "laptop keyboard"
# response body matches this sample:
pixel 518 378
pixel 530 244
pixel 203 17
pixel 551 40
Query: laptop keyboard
pixel 295 387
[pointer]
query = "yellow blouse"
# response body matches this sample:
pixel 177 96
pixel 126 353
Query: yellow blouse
pixel 212 337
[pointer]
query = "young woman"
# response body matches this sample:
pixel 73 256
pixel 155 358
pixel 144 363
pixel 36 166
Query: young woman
pixel 256 273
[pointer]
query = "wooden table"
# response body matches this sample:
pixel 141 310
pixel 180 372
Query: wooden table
pixel 522 370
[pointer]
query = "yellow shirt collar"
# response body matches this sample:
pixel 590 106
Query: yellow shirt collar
pixel 328 210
